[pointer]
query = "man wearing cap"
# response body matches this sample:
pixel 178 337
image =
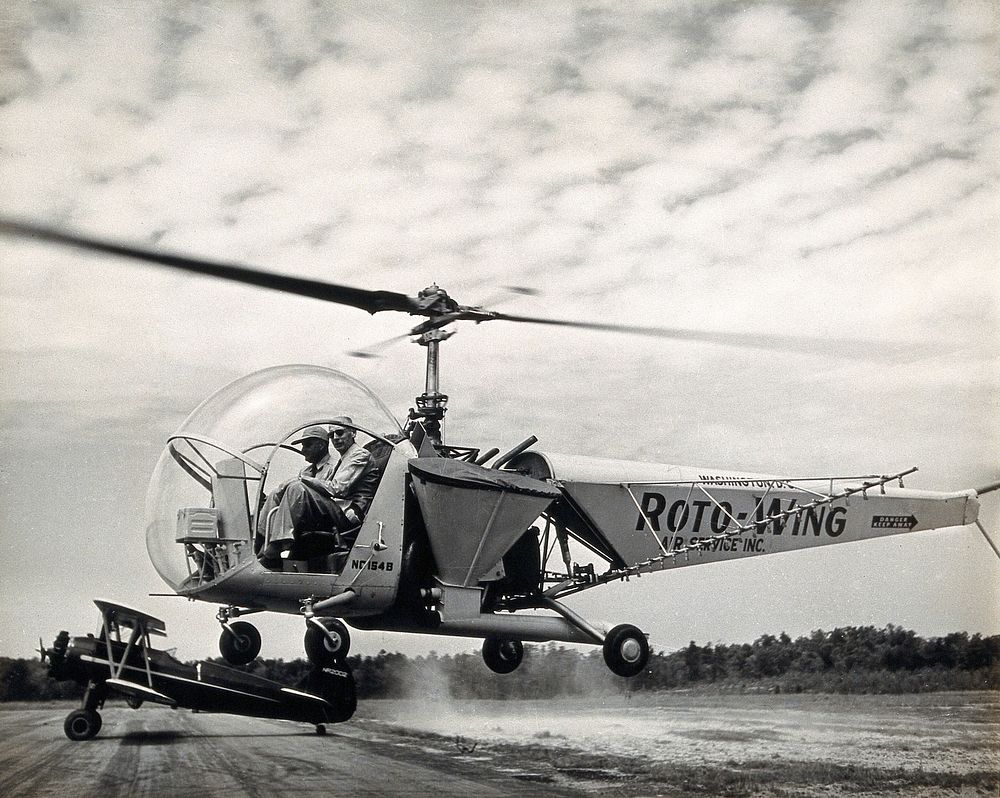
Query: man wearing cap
pixel 320 497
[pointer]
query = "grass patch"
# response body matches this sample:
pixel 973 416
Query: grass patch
pixel 738 779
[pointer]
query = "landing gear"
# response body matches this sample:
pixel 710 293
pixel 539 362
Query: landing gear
pixel 502 655
pixel 626 651
pixel 327 642
pixel 85 723
pixel 82 724
pixel 239 643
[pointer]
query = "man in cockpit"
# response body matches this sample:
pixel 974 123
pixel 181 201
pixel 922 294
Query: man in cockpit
pixel 321 498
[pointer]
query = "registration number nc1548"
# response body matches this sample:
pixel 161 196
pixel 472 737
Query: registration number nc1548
pixel 371 565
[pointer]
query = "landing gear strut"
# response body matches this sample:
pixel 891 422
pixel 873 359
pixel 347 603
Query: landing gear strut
pixel 85 723
pixel 327 641
pixel 626 651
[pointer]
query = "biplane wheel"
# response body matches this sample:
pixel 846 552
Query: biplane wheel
pixel 242 645
pixel 329 648
pixel 320 729
pixel 133 701
pixel 626 650
pixel 502 655
pixel 82 724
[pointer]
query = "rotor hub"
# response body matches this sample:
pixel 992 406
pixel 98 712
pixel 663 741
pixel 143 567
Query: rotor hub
pixel 434 301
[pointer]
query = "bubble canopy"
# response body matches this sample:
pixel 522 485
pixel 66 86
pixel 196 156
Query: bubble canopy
pixel 235 437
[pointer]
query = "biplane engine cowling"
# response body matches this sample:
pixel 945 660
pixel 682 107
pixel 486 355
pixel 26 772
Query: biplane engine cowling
pixel 473 515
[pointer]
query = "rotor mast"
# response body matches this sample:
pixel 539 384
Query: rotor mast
pixel 431 405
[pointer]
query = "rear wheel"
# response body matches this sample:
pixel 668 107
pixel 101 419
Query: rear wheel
pixel 502 655
pixel 240 643
pixel 82 724
pixel 330 647
pixel 626 651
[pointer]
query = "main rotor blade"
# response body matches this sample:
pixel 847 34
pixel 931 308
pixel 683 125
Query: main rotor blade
pixel 440 311
pixel 789 343
pixel 371 301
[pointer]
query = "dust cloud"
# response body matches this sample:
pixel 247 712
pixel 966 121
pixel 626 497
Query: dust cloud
pixel 877 731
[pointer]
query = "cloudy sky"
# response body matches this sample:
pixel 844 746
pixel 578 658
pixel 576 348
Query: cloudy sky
pixel 825 169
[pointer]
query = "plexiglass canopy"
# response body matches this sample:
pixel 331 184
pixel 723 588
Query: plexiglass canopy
pixel 216 460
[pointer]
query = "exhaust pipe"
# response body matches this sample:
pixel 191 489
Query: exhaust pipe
pixel 502 459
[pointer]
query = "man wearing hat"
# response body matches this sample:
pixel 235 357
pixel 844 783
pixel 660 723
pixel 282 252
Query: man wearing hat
pixel 320 497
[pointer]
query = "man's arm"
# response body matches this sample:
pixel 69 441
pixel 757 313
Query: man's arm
pixel 319 485
pixel 351 465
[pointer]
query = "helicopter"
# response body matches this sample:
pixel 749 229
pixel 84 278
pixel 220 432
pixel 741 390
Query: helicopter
pixel 458 541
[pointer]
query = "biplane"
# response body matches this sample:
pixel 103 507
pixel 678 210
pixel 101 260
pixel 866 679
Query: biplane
pixel 458 540
pixel 120 659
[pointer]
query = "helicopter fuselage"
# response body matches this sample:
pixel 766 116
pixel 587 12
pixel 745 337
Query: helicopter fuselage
pixel 450 546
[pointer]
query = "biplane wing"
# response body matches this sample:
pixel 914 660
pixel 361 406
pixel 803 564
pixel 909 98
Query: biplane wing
pixel 140 692
pixel 120 615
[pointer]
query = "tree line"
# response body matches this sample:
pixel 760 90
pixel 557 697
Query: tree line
pixel 846 660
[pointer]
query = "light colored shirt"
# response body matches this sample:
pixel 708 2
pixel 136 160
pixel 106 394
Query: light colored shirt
pixel 322 470
pixel 338 476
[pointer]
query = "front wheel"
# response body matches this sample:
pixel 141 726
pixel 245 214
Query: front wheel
pixel 626 651
pixel 240 643
pixel 502 655
pixel 327 646
pixel 82 724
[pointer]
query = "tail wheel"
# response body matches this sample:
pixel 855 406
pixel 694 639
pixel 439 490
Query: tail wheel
pixel 502 655
pixel 329 647
pixel 83 724
pixel 626 651
pixel 240 643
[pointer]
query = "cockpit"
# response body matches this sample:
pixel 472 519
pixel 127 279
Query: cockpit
pixel 203 508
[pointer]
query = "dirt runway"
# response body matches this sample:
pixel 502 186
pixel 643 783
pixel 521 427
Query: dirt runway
pixel 673 744
pixel 160 753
